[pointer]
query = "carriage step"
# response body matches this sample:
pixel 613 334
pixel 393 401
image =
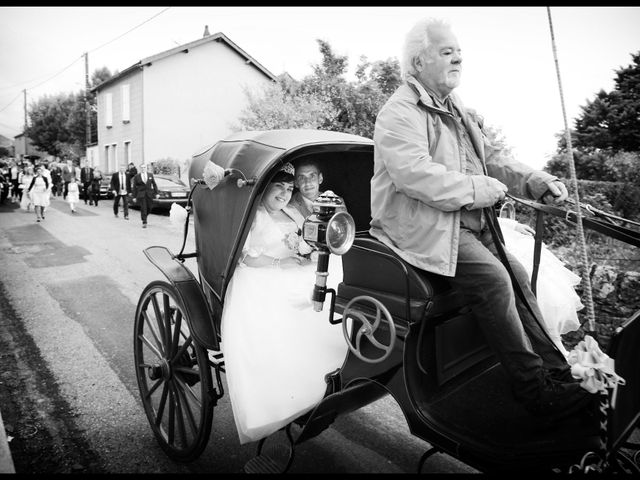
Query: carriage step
pixel 262 464
pixel 277 460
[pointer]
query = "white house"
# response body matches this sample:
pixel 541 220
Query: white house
pixel 173 104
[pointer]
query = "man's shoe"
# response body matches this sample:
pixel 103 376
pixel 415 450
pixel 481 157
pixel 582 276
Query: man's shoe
pixel 144 225
pixel 116 215
pixel 126 218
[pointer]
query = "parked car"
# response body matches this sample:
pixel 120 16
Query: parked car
pixel 170 190
pixel 105 183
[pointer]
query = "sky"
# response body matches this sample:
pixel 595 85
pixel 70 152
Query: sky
pixel 509 70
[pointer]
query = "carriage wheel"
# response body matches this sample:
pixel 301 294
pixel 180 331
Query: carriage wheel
pixel 173 374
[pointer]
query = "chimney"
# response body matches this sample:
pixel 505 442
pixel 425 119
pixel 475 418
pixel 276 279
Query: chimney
pixel 206 31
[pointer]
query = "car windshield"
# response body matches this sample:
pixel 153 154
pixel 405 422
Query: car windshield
pixel 167 183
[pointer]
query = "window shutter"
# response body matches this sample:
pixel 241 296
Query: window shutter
pixel 125 103
pixel 108 110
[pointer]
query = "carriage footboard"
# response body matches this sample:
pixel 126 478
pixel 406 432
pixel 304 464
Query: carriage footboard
pixel 193 299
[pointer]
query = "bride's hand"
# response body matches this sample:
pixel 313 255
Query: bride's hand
pixel 294 261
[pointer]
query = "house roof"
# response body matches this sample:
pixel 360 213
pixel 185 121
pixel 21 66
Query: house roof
pixel 217 37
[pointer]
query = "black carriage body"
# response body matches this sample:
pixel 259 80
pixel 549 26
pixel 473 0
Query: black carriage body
pixel 450 387
pixel 223 215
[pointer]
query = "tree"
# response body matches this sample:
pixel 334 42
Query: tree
pixel 59 122
pixel 325 99
pixel 49 115
pixel 612 120
pixel 274 108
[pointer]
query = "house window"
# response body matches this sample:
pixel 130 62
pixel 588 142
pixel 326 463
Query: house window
pixel 127 153
pixel 108 110
pixel 125 104
pixel 113 164
pixel 106 154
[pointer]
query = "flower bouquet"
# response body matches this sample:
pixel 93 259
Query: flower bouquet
pixel 294 242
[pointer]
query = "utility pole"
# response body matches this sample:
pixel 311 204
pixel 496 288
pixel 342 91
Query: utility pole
pixel 24 130
pixel 87 107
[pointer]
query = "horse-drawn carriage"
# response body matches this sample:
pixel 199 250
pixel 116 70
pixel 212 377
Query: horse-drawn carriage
pixel 409 334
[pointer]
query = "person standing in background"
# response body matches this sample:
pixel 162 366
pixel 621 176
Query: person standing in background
pixel 56 180
pixel 25 182
pixel 132 171
pixel 67 172
pixel 144 191
pixel 14 178
pixel 47 174
pixel 86 176
pixel 39 193
pixel 121 188
pixel 73 193
pixel 94 190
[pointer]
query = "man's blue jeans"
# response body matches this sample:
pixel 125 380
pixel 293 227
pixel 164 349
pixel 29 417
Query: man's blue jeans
pixel 519 341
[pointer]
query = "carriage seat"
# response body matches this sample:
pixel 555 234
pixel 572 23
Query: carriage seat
pixel 371 268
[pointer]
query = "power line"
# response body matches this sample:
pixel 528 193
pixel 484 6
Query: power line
pixel 55 75
pixel 90 51
pixel 9 104
pixel 9 127
pixel 130 30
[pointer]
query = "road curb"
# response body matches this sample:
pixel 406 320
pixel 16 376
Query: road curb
pixel 6 461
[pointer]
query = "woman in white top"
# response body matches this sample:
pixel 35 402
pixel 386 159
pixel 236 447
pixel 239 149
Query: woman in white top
pixel 277 349
pixel 73 193
pixel 39 192
pixel 25 182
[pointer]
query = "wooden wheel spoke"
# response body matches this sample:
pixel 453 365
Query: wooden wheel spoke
pixel 185 401
pixel 162 404
pixel 194 397
pixel 182 350
pixel 152 347
pixel 179 415
pixel 154 333
pixel 176 333
pixel 154 387
pixel 166 306
pixel 171 419
pixel 161 330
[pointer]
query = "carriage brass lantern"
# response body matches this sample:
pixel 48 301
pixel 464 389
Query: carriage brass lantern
pixel 330 229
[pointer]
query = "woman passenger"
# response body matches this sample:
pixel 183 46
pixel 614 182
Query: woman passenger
pixel 277 349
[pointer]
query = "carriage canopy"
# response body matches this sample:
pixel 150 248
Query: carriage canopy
pixel 223 215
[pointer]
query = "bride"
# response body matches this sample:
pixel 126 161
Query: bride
pixel 277 349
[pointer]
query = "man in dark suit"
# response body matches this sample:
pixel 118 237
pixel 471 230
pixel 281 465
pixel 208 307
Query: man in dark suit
pixel 121 188
pixel 144 191
pixel 67 172
pixel 86 177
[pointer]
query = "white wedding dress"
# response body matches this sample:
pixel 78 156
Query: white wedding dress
pixel 555 285
pixel 277 349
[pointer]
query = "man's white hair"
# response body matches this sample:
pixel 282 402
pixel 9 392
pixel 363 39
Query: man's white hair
pixel 417 42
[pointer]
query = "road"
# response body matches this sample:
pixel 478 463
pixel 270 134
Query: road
pixel 72 283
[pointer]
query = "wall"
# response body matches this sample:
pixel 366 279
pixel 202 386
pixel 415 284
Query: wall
pixel 190 99
pixel 121 132
pixel 616 297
